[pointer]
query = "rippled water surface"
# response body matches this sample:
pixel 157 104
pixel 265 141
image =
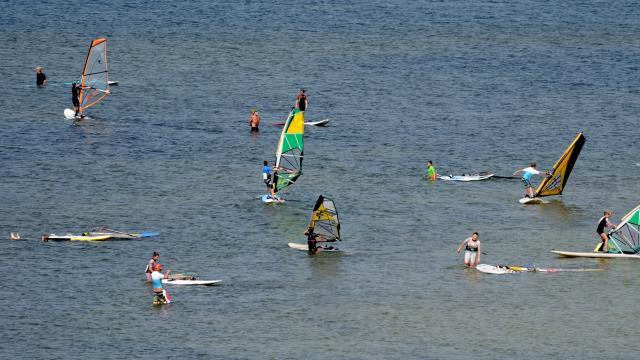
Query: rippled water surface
pixel 473 85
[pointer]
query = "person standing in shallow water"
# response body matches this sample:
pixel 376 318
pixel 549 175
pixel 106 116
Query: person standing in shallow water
pixel 431 171
pixel 152 262
pixel 301 101
pixel 254 120
pixel 472 250
pixel 41 78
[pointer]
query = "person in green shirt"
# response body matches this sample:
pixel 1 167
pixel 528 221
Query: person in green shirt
pixel 431 171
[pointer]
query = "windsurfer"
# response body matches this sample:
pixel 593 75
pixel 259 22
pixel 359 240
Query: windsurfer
pixel 313 239
pixel 41 78
pixel 431 171
pixel 152 262
pixel 602 224
pixel 527 173
pixel 156 282
pixel 254 120
pixel 75 98
pixel 301 101
pixel 267 177
pixel 472 250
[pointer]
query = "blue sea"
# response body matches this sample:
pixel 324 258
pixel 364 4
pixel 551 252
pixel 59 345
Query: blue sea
pixel 472 85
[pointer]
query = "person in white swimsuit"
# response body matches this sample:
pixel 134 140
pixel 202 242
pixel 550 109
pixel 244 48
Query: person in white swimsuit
pixel 472 250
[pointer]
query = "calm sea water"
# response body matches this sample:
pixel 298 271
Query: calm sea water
pixel 473 85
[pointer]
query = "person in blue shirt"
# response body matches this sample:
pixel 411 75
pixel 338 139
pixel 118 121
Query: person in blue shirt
pixel 160 294
pixel 527 173
pixel 267 177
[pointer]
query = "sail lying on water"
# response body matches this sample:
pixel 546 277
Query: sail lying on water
pixel 555 183
pixel 95 75
pixel 290 151
pixel 625 238
pixel 324 219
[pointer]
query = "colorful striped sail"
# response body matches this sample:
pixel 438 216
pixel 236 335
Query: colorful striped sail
pixel 95 75
pixel 290 151
pixel 324 219
pixel 555 183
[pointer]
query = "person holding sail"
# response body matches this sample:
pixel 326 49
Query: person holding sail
pixel 268 178
pixel 603 223
pixel 75 98
pixel 472 250
pixel 527 173
pixel 313 239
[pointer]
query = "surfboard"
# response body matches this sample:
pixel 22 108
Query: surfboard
pixel 492 269
pixel 305 247
pixel 269 199
pixel 465 177
pixel 70 114
pixel 71 237
pixel 532 201
pixel 595 255
pixel 113 82
pixel 191 282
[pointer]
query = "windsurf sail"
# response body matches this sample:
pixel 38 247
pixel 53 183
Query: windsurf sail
pixel 324 219
pixel 95 75
pixel 625 238
pixel 290 151
pixel 555 183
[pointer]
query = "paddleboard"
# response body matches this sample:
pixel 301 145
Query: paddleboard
pixel 191 282
pixel 474 177
pixel 269 199
pixel 305 247
pixel 121 235
pixel 532 201
pixel 71 237
pixel 595 255
pixel 492 269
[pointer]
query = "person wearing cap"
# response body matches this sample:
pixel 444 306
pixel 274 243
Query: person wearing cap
pixel 301 101
pixel 472 250
pixel 150 264
pixel 156 279
pixel 603 223
pixel 527 173
pixel 41 78
pixel 254 120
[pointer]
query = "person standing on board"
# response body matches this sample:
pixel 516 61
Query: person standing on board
pixel 41 78
pixel 301 101
pixel 602 224
pixel 156 281
pixel 152 262
pixel 75 97
pixel 527 173
pixel 431 171
pixel 312 242
pixel 472 250
pixel 254 120
pixel 267 177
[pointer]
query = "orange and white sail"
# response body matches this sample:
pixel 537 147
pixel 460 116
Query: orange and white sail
pixel 95 75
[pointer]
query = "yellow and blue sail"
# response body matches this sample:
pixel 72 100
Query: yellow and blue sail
pixel 324 219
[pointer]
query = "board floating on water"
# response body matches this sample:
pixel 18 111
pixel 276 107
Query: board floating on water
pixel 191 282
pixel 600 255
pixel 71 237
pixel 270 199
pixel 305 247
pixel 512 269
pixel 466 177
pixel 532 201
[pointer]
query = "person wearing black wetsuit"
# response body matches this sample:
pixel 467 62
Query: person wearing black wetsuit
pixel 41 78
pixel 75 96
pixel 602 224
pixel 312 243
pixel 301 101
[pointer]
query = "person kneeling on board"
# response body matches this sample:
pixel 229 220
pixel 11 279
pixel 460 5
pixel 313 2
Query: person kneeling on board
pixel 527 173
pixel 472 250
pixel 604 237
pixel 312 242
pixel 156 280
pixel 150 265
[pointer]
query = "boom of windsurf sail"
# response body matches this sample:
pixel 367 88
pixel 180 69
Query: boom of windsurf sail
pixel 95 75
pixel 324 219
pixel 625 238
pixel 554 183
pixel 290 151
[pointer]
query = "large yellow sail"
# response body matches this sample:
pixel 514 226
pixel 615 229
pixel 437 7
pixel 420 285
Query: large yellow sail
pixel 555 183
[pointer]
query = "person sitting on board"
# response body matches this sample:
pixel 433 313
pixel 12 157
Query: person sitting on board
pixel 254 120
pixel 603 223
pixel 313 239
pixel 75 96
pixel 431 171
pixel 527 173
pixel 156 279
pixel 41 78
pixel 301 101
pixel 150 265
pixel 472 250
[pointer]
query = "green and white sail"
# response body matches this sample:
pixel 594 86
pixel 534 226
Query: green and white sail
pixel 625 238
pixel 290 151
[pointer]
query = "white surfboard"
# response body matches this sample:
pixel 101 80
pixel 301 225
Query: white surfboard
pixel 595 255
pixel 532 201
pixel 269 199
pixel 191 282
pixel 491 269
pixel 318 123
pixel 305 247
pixel 474 177
pixel 70 114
